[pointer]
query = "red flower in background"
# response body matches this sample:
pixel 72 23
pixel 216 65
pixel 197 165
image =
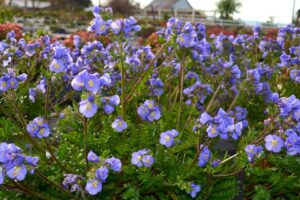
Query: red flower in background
pixel 5 28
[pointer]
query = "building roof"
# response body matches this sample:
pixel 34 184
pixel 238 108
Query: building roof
pixel 169 4
pixel 21 3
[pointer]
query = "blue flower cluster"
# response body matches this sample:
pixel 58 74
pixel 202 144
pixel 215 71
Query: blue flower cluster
pixel 118 26
pixel 156 86
pixel 149 111
pixel 142 158
pixel 38 128
pixel 222 125
pixel 14 164
pixel 72 182
pixel 11 81
pixel 94 184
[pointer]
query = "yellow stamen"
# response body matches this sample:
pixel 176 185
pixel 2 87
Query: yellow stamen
pixel 16 171
pixel 91 83
pixel 88 106
pixel 95 184
pixel 274 142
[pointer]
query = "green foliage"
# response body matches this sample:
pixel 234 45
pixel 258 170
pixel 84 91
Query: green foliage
pixel 228 7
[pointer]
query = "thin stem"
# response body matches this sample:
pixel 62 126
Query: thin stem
pixel 54 157
pixel 85 130
pixel 175 97
pixel 229 174
pixel 128 97
pixel 198 153
pixel 122 81
pixel 181 79
pixel 40 174
pixel 213 98
pixel 47 100
pixel 23 123
pixel 229 158
pixel 233 102
pixel 13 188
pixel 30 192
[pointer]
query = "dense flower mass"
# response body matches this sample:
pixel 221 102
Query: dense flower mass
pixel 223 125
pixel 10 81
pixel 14 164
pixel 38 128
pixel 205 104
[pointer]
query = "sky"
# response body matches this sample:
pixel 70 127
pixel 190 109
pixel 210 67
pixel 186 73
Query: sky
pixel 251 10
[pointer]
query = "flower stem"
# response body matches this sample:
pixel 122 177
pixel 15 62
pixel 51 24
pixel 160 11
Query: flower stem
pixel 47 100
pixel 122 81
pixel 233 102
pixel 229 174
pixel 198 153
pixel 30 192
pixel 213 98
pixel 229 158
pixel 85 130
pixel 23 124
pixel 40 174
pixel 63 168
pixel 129 96
pixel 181 79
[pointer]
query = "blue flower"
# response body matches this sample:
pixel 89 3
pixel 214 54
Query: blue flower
pixel 114 164
pixel 292 142
pixel 212 131
pixel 195 189
pixel 119 125
pixel 215 163
pixel 102 173
pixel 167 138
pixel 93 186
pixel 2 174
pixel 4 85
pixel 204 118
pixel 87 107
pixel 92 83
pixel 17 172
pixel 73 181
pixel 98 25
pixel 92 157
pixel 116 26
pixel 61 59
pixel 109 103
pixel 237 131
pixel 273 143
pixel 252 151
pixel 79 80
pixel 148 160
pixel 204 156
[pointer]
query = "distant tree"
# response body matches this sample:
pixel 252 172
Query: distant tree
pixel 227 8
pixel 66 4
pixel 83 3
pixel 125 7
